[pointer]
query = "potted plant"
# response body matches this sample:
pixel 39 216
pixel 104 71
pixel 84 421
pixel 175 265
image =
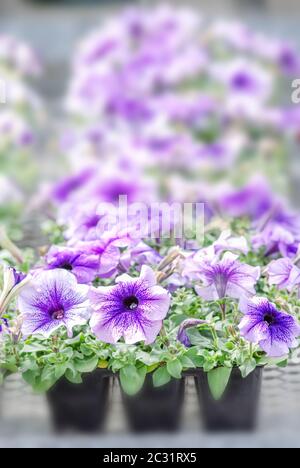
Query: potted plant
pixel 234 323
pixel 150 361
pixel 38 343
pixel 66 339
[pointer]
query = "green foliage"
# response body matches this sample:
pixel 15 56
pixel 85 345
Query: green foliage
pixel 217 380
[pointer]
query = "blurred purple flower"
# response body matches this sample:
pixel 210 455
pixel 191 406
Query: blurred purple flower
pixel 108 255
pixel 278 231
pixel 288 59
pixel 140 254
pixel 133 309
pixel 19 56
pixel 284 273
pixel 275 331
pixel 232 244
pixel 64 189
pixel 51 300
pixel 83 265
pixel 226 277
pixel 253 200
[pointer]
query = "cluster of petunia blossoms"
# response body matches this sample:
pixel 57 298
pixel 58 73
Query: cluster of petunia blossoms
pixel 165 109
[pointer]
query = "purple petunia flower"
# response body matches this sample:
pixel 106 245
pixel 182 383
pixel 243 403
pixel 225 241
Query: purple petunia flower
pixel 284 273
pixel 65 188
pixel 83 265
pixel 108 255
pixel 226 277
pixel 278 231
pixel 133 309
pixel 275 331
pixel 53 299
pixel 252 200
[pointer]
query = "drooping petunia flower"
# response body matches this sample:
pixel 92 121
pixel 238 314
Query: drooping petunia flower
pixel 225 277
pixel 133 309
pixel 275 331
pixel 53 299
pixel 83 265
pixel 182 335
pixel 284 273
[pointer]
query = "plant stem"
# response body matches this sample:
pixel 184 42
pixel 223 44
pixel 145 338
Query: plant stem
pixel 215 336
pixel 223 311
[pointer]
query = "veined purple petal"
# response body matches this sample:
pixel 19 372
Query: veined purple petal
pixel 52 299
pixel 275 331
pixel 133 309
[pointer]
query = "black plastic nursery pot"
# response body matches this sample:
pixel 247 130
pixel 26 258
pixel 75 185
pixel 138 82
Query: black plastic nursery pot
pixel 155 409
pixel 237 410
pixel 80 407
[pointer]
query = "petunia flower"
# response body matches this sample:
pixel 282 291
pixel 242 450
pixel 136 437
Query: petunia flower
pixel 233 244
pixel 275 331
pixel 83 265
pixel 51 300
pixel 182 335
pixel 107 252
pixel 284 273
pixel 133 309
pixel 253 200
pixel 223 277
pixel 278 231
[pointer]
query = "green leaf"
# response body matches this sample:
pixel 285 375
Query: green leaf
pixel 132 379
pixel 192 354
pixel 73 376
pixel 34 347
pixel 60 370
pixel 187 363
pixel 48 373
pixel 30 377
pixel 218 380
pixel 175 368
pixel 10 366
pixel 86 365
pixel 161 377
pixel 248 367
pixel 282 364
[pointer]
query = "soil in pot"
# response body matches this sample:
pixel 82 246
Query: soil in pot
pixel 238 408
pixel 155 409
pixel 80 407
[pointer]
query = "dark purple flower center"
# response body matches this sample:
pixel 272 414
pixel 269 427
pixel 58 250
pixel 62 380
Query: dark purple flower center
pixel 241 81
pixel 131 302
pixel 269 318
pixel 58 314
pixel 67 266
